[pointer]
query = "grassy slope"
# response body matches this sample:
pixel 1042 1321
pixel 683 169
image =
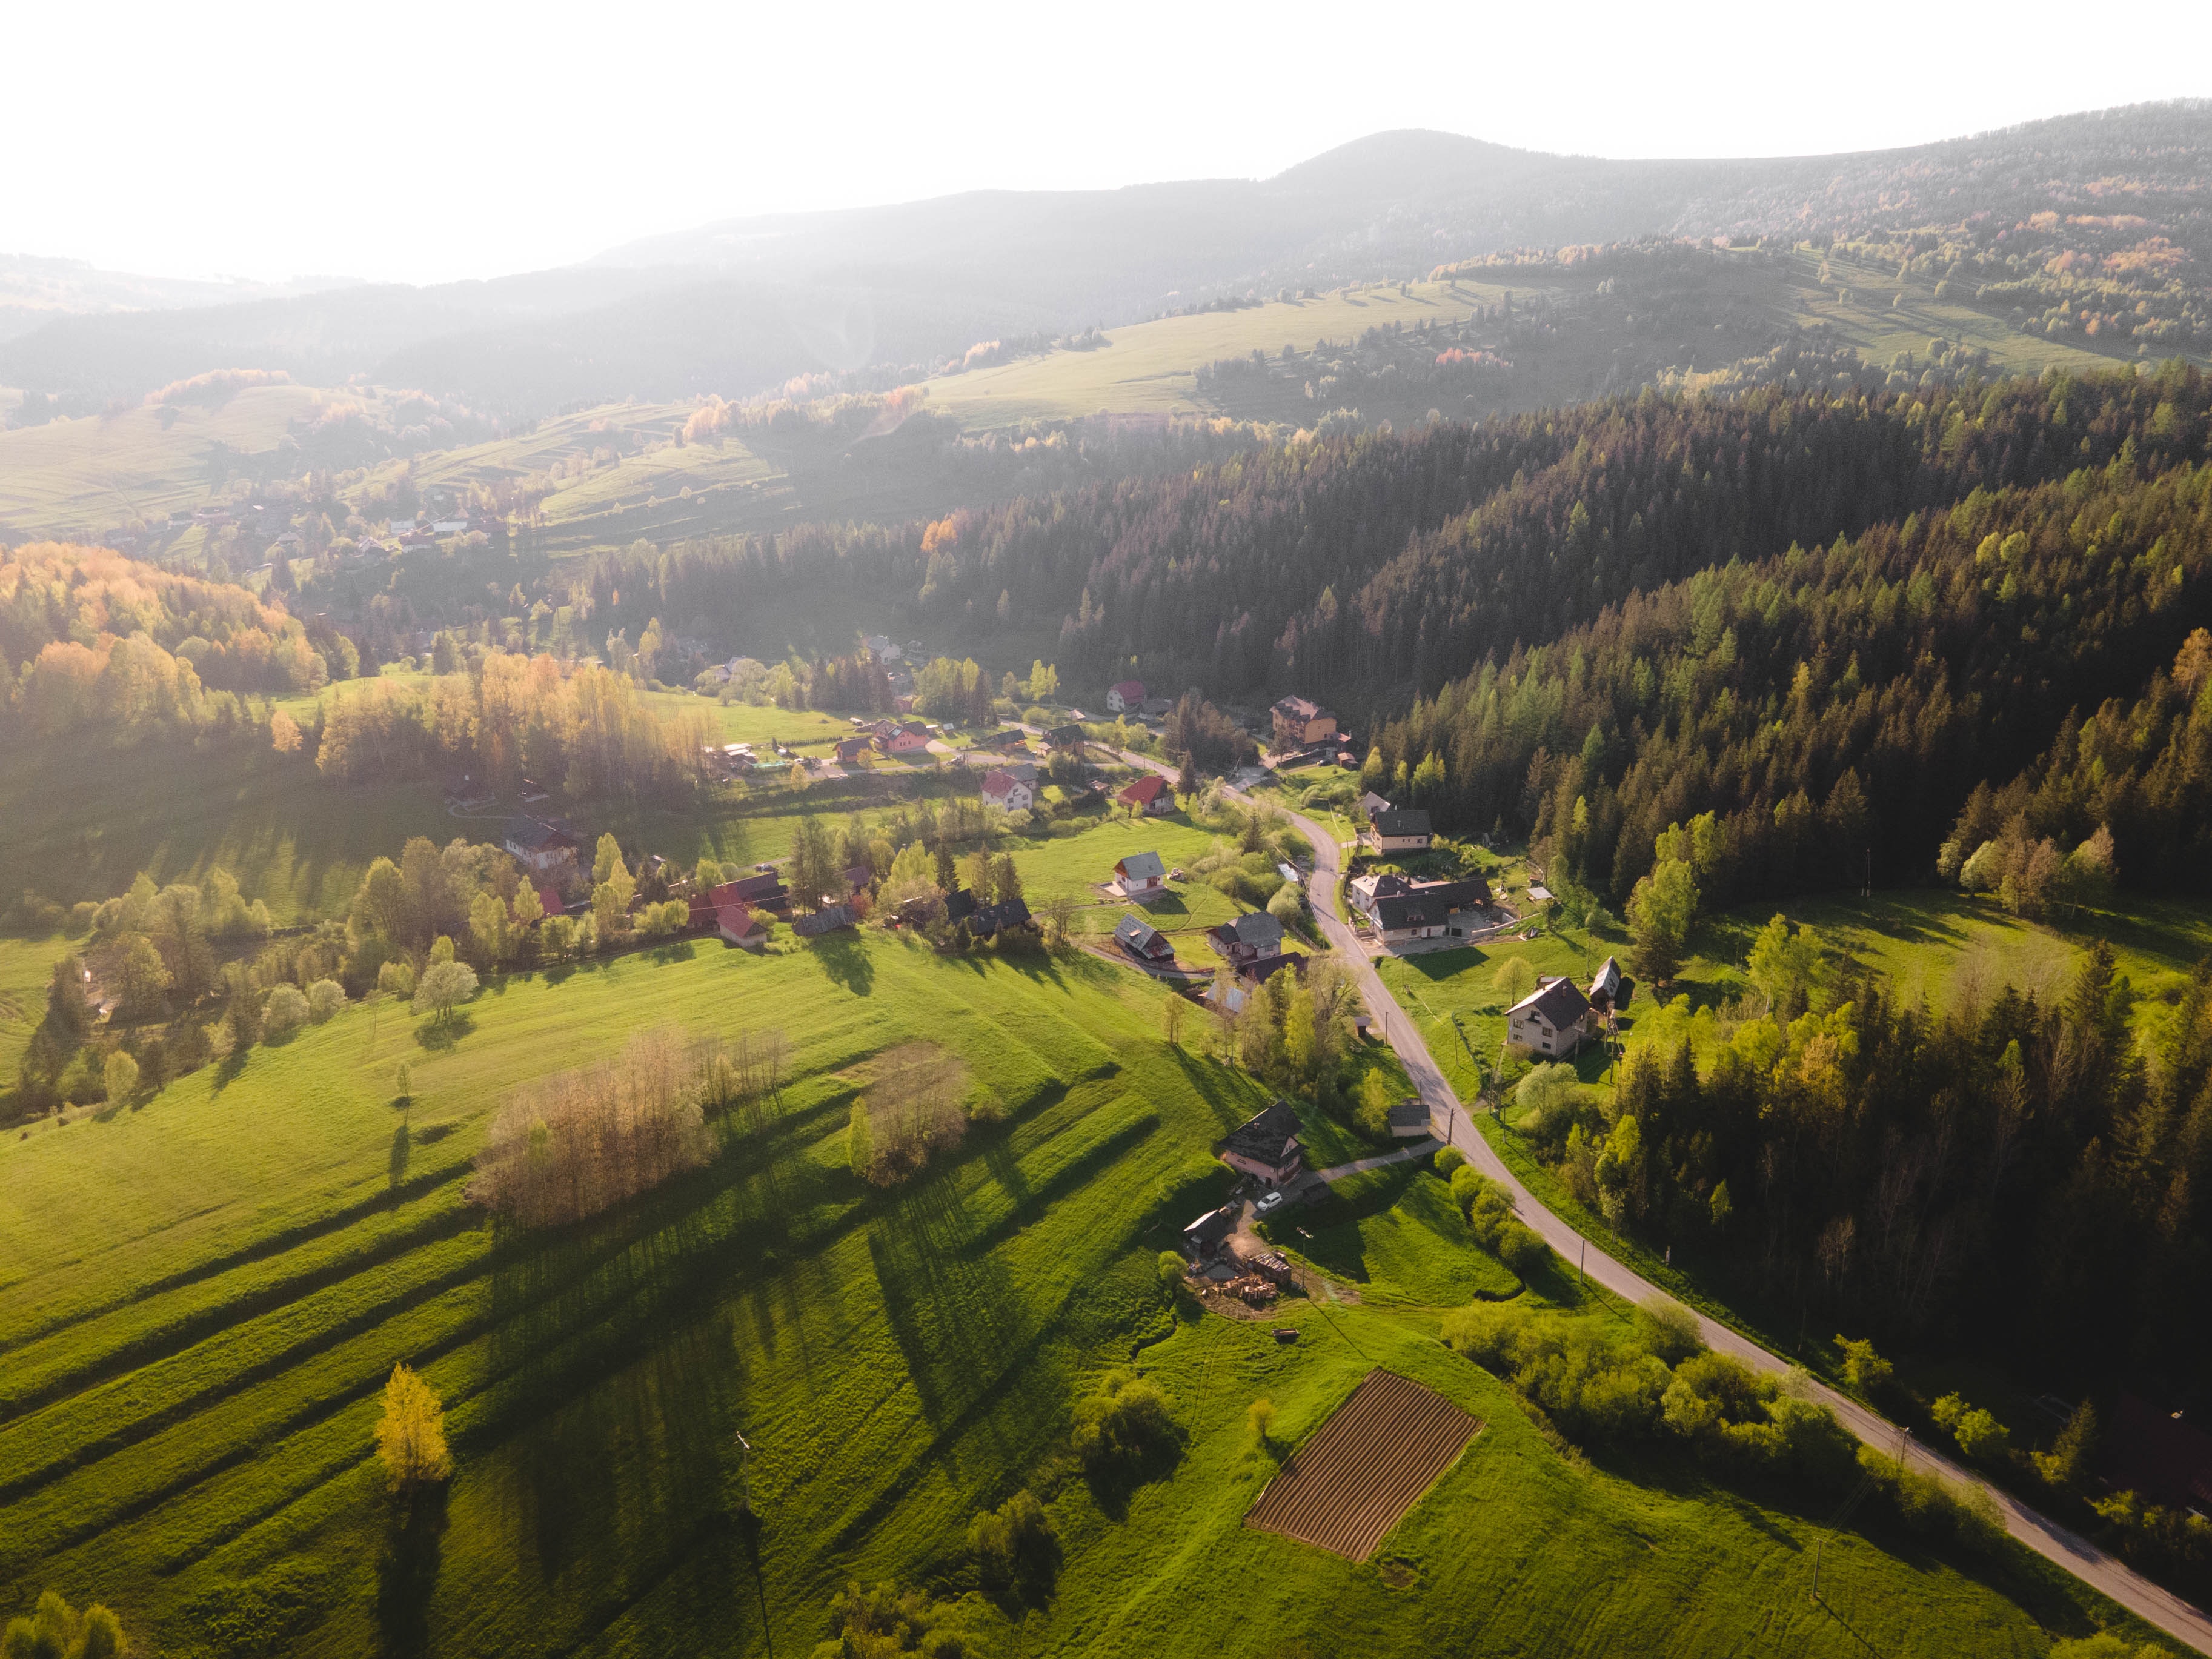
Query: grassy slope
pixel 26 969
pixel 93 471
pixel 190 1386
pixel 1148 367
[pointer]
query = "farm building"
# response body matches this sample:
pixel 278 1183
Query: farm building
pixel 735 922
pixel 1142 940
pixel 959 904
pixel 1140 875
pixel 850 749
pixel 1155 709
pixel 1002 789
pixel 1552 1019
pixel 1208 1230
pixel 1604 992
pixel 1409 1120
pixel 544 848
pixel 763 891
pixel 1265 1146
pixel 1004 917
pixel 1393 830
pixel 1371 803
pixel 827 919
pixel 1300 722
pixel 1251 936
pixel 1150 793
pixel 1127 697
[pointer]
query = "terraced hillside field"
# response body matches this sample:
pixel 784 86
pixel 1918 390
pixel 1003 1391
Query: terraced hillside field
pixel 1369 1463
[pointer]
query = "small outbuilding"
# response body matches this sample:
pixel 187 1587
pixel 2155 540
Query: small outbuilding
pixel 1409 1120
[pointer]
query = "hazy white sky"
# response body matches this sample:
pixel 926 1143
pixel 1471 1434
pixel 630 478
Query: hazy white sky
pixel 424 141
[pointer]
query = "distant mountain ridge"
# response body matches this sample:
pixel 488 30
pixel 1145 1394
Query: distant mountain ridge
pixel 737 306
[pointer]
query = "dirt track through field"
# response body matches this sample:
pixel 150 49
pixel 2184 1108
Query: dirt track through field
pixel 1365 1467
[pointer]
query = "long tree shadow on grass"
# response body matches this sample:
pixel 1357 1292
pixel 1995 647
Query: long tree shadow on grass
pixel 956 1317
pixel 407 1572
pixel 843 955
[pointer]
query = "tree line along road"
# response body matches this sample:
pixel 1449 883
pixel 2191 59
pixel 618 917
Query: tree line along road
pixel 2093 1566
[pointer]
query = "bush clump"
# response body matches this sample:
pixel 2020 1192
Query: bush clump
pixel 1490 1217
pixel 286 1012
pixel 325 998
pixel 1596 1385
pixel 1124 1422
pixel 1016 1547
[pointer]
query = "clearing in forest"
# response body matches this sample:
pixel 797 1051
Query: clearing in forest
pixel 1365 1467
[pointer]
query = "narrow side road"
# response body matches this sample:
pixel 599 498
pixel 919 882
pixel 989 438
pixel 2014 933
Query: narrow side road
pixel 2093 1566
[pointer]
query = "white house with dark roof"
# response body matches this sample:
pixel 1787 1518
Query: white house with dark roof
pixel 1551 1020
pixel 1397 830
pixel 1140 875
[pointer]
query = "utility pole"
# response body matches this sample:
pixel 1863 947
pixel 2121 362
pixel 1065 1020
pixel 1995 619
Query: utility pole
pixel 745 1474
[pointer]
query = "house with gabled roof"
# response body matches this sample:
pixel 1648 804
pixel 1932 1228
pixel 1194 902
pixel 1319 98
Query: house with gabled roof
pixel 1397 829
pixel 1249 937
pixel 1551 1020
pixel 1140 875
pixel 1125 698
pixel 1300 722
pixel 1604 992
pixel 1143 941
pixel 1265 1146
pixel 542 848
pixel 763 891
pixel 1403 911
pixel 1151 793
pixel 1002 790
pixel 1005 916
pixel 735 923
pixel 1409 1120
pixel 901 736
pixel 1070 737
pixel 1371 803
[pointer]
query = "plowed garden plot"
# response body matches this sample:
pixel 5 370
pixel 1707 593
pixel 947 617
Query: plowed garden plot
pixel 1365 1467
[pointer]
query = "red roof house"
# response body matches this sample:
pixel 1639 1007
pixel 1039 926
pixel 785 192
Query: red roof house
pixel 1150 793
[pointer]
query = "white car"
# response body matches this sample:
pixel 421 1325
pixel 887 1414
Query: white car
pixel 1267 1205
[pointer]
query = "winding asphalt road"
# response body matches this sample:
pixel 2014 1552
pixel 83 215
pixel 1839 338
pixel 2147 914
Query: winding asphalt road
pixel 2095 1567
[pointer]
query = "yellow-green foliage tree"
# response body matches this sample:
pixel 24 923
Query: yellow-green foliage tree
pixel 56 1631
pixel 410 1435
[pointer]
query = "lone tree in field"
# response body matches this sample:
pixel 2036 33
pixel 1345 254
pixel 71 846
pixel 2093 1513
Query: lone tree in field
pixel 444 987
pixel 410 1437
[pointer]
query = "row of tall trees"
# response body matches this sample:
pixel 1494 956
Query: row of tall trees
pixel 578 727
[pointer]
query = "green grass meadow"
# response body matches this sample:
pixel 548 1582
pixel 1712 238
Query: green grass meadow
pixel 191 1382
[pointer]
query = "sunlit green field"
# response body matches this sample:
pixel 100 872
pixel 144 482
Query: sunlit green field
pixel 78 475
pixel 1946 946
pixel 1148 368
pixel 186 1413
